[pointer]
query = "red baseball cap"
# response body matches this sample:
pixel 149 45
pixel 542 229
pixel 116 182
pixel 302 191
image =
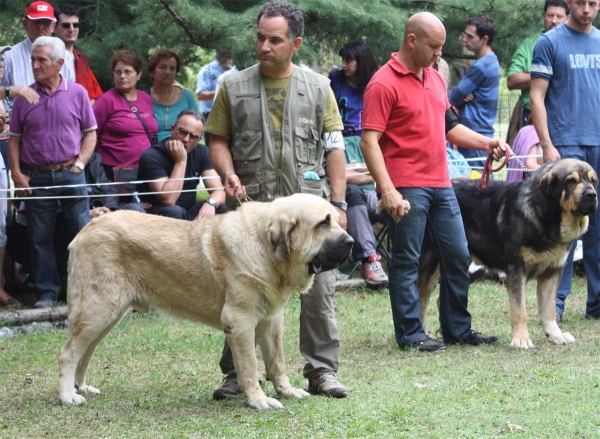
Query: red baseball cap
pixel 40 11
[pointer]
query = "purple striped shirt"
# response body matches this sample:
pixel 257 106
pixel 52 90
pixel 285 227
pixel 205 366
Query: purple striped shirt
pixel 51 130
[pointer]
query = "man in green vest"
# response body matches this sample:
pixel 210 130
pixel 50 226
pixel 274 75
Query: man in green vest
pixel 275 131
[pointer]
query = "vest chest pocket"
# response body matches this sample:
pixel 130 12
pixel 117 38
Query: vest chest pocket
pixel 246 152
pixel 306 142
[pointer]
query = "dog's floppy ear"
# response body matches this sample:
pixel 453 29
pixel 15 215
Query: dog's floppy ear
pixel 548 184
pixel 280 236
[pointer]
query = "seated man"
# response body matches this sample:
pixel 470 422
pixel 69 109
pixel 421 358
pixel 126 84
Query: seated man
pixel 362 202
pixel 174 159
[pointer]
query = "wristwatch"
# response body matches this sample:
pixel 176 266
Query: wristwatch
pixel 341 204
pixel 79 165
pixel 6 91
pixel 212 202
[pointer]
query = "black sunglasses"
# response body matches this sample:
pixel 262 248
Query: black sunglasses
pixel 68 25
pixel 185 132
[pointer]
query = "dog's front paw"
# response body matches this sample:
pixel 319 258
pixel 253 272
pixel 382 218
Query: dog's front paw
pixel 71 398
pixel 90 391
pixel 265 403
pixel 521 343
pixel 294 392
pixel 562 338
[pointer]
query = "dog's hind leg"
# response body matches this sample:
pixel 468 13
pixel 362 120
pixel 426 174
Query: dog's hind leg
pixel 516 283
pixel 80 385
pixel 547 285
pixel 88 327
pixel 270 337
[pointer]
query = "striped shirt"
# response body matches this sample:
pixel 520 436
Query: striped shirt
pixel 17 65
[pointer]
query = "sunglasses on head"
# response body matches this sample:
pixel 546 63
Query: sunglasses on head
pixel 185 132
pixel 68 25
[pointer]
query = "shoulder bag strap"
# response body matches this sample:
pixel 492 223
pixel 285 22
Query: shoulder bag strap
pixel 135 111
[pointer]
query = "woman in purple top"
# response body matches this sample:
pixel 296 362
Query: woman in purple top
pixel 527 147
pixel 122 137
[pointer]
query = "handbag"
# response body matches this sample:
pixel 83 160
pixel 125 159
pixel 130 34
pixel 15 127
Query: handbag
pixel 153 140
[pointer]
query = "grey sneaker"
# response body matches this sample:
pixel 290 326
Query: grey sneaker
pixel 327 384
pixel 372 271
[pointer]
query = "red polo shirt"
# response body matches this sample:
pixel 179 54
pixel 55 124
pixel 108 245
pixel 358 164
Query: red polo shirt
pixel 411 115
pixel 85 76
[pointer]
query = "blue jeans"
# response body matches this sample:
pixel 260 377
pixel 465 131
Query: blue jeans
pixel 435 212
pixel 591 242
pixel 41 223
pixel 476 165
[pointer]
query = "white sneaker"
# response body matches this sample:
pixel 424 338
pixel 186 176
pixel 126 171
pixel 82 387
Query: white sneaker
pixel 578 256
pixel 474 268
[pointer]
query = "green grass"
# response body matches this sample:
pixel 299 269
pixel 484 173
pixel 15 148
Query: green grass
pixel 157 376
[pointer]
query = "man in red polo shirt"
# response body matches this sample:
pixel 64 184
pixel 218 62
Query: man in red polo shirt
pixel 406 122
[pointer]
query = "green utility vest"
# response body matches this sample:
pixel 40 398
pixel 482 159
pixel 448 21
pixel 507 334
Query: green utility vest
pixel 253 148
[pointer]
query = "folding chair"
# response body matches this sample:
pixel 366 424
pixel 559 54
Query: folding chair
pixel 126 174
pixel 383 247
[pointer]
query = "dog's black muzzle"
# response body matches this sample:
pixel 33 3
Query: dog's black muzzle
pixel 588 203
pixel 331 255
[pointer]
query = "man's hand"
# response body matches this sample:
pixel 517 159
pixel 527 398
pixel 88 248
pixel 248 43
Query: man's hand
pixel 469 98
pixel 498 149
pixel 22 181
pixel 177 150
pixel 99 211
pixel 27 93
pixel 393 204
pixel 550 154
pixel 206 211
pixel 233 184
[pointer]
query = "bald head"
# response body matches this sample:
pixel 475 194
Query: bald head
pixel 423 24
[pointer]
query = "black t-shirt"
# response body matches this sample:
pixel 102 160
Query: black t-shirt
pixel 156 162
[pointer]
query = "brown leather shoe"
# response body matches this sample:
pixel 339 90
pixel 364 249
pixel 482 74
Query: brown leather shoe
pixel 327 384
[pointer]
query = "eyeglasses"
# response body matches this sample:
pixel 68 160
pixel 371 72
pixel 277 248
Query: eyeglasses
pixel 68 25
pixel 185 132
pixel 127 72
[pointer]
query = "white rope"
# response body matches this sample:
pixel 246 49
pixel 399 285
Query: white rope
pixel 116 183
pixel 64 197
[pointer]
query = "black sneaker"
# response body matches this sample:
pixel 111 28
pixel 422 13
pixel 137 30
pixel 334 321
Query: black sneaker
pixel 476 338
pixel 427 345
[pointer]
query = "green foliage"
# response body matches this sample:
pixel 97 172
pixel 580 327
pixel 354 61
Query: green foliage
pixel 187 25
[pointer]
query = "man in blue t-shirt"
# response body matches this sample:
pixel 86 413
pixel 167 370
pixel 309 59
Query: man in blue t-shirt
pixel 175 165
pixel 565 104
pixel 476 95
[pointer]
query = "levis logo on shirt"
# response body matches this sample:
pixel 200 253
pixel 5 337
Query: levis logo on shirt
pixel 581 61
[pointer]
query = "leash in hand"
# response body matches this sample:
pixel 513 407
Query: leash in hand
pixel 246 197
pixel 484 181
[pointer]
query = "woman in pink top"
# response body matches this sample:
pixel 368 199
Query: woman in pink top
pixel 122 137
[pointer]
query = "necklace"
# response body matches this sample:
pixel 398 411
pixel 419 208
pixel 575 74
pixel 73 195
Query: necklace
pixel 155 96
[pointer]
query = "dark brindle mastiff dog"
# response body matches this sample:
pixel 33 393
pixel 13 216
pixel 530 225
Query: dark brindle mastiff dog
pixel 525 229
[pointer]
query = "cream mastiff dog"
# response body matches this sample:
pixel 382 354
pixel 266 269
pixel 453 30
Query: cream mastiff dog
pixel 233 272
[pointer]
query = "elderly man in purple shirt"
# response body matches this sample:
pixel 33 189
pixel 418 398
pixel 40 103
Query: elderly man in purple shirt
pixel 50 144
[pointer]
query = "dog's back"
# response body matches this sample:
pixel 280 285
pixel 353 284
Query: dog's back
pixel 126 260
